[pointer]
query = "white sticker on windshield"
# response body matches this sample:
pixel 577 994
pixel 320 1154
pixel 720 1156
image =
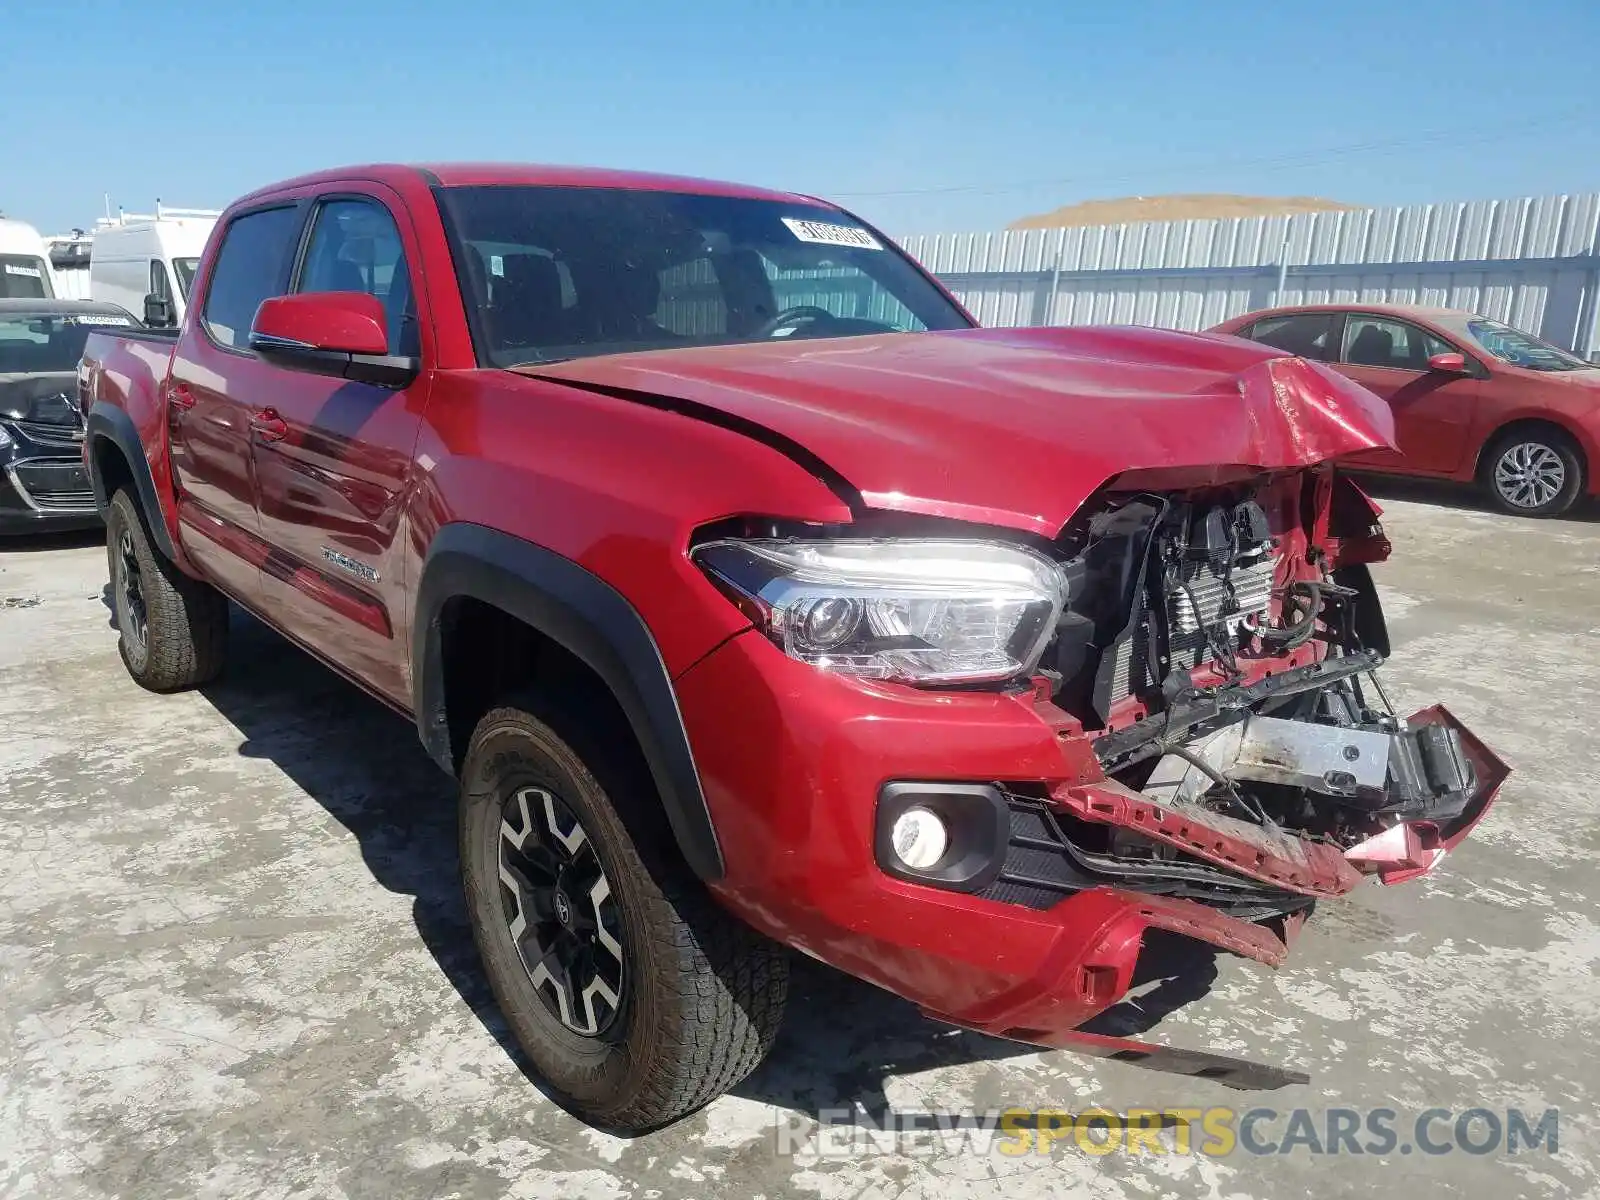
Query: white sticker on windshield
pixel 97 319
pixel 30 272
pixel 824 234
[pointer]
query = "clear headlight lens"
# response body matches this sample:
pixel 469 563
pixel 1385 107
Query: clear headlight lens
pixel 922 611
pixel 5 438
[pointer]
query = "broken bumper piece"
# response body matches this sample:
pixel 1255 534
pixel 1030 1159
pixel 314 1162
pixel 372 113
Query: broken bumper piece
pixel 1342 802
pixel 1432 765
pixel 1412 848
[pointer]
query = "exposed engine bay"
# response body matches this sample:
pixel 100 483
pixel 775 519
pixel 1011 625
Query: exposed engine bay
pixel 1221 648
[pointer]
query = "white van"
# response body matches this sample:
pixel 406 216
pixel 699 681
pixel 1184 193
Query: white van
pixel 24 263
pixel 138 257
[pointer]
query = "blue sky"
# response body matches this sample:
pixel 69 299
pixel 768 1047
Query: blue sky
pixel 923 116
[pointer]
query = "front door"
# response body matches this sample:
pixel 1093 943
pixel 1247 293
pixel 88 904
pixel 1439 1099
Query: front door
pixel 214 378
pixel 1433 410
pixel 335 464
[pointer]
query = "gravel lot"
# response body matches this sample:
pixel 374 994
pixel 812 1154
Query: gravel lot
pixel 235 962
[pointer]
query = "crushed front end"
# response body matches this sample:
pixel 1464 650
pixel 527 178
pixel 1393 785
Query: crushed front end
pixel 1197 744
pixel 1223 660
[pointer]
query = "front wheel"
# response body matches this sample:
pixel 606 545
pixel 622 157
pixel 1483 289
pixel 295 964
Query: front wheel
pixel 635 996
pixel 1533 472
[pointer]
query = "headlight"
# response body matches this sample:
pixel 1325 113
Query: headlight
pixel 5 438
pixel 912 610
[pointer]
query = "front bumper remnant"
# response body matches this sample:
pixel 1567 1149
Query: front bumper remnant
pixel 1054 940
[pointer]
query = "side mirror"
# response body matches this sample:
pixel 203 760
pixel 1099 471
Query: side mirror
pixel 342 334
pixel 1452 364
pixel 157 311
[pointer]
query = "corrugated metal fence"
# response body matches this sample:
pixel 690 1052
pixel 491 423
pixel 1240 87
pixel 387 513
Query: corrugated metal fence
pixel 1530 262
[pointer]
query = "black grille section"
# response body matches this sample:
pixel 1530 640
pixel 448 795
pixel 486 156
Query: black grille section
pixel 53 483
pixel 48 434
pixel 1051 855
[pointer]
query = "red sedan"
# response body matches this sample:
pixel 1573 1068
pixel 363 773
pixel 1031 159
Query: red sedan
pixel 1474 400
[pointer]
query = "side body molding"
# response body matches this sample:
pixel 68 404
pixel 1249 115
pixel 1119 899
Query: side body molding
pixel 108 423
pixel 591 619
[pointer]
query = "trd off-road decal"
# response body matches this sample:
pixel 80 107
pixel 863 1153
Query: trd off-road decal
pixel 344 562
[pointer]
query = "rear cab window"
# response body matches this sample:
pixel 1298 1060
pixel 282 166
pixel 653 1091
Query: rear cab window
pixel 252 262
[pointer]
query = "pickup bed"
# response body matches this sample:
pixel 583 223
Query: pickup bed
pixel 760 601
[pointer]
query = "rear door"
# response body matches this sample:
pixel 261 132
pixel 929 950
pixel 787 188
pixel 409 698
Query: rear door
pixel 1313 335
pixel 216 388
pixel 335 467
pixel 1434 411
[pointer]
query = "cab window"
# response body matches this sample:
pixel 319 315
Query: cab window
pixel 355 247
pixel 250 267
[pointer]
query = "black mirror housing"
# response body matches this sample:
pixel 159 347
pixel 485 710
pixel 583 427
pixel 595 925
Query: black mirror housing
pixel 157 311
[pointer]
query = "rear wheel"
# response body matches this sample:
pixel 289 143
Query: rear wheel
pixel 173 630
pixel 637 998
pixel 1533 472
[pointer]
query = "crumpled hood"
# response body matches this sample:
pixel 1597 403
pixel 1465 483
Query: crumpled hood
pixel 1013 427
pixel 46 396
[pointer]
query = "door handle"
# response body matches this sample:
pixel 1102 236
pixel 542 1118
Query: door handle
pixel 180 397
pixel 269 426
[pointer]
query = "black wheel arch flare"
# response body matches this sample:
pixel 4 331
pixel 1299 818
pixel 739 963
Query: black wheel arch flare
pixel 108 423
pixel 579 611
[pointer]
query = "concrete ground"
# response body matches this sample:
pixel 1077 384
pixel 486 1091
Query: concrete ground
pixel 235 963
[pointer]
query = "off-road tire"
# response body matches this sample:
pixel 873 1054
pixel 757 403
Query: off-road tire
pixel 185 621
pixel 702 994
pixel 1549 445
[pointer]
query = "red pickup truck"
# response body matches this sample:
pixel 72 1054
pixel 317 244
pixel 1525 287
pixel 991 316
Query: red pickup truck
pixel 759 600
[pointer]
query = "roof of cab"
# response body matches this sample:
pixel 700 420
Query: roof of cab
pixel 526 175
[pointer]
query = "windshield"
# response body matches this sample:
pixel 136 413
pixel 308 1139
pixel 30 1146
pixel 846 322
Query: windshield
pixel 185 268
pixel 36 344
pixel 1522 349
pixel 563 272
pixel 23 278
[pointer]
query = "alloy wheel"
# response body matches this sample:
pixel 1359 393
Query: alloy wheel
pixel 1529 474
pixel 130 595
pixel 560 911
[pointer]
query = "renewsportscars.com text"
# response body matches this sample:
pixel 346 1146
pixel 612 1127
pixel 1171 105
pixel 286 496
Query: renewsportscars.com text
pixel 1214 1132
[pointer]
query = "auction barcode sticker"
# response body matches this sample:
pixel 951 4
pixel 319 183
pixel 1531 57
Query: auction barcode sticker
pixel 31 272
pixel 825 234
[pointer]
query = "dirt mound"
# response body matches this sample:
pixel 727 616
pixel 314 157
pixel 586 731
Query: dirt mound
pixel 1175 208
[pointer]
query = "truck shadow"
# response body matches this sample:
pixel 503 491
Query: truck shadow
pixel 842 1040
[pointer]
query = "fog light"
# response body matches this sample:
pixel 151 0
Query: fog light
pixel 919 838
